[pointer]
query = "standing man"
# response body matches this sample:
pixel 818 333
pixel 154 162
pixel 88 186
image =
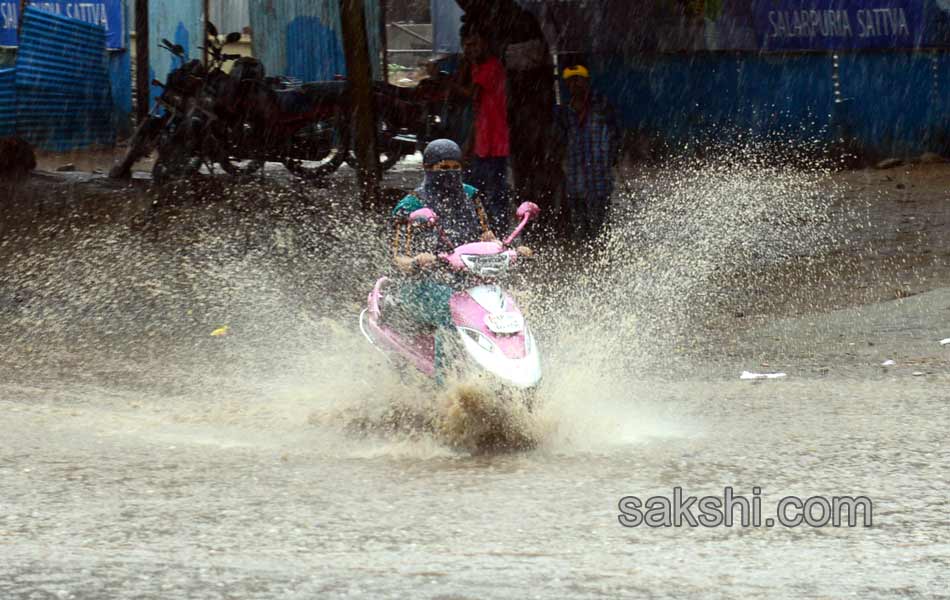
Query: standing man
pixel 590 134
pixel 516 37
pixel 487 147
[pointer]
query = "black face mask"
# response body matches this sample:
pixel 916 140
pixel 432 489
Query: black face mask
pixel 443 192
pixel 443 185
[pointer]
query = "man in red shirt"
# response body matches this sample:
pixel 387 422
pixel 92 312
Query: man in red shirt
pixel 515 35
pixel 488 144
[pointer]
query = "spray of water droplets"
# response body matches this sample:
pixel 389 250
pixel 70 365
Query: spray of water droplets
pixel 286 271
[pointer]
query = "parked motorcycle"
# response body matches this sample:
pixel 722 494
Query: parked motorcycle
pixel 239 120
pixel 493 338
pixel 409 118
pixel 315 120
pixel 304 126
pixel 180 88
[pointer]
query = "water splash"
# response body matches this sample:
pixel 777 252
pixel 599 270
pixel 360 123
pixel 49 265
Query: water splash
pixel 287 272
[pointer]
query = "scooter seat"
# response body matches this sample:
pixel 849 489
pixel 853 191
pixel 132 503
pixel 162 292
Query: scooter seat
pixel 397 316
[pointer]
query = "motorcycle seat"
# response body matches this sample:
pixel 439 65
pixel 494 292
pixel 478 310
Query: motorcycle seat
pixel 293 101
pixel 325 91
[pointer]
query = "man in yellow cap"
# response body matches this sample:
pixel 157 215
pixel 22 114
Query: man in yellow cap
pixel 590 134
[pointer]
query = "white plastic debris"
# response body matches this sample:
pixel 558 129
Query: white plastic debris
pixel 945 342
pixel 888 363
pixel 919 373
pixel 750 375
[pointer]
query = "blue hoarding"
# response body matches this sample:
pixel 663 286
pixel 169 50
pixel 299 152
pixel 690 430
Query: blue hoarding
pixel 839 24
pixel 670 26
pixel 107 13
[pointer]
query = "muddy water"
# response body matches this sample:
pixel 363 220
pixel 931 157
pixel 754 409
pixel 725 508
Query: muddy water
pixel 143 457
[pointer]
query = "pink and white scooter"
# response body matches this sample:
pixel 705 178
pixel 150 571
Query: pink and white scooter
pixel 494 338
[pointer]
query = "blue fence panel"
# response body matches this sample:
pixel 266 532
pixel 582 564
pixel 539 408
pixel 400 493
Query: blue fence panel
pixel 939 124
pixel 786 97
pixel 716 97
pixel 747 25
pixel 302 39
pixel 181 22
pixel 896 103
pixel 7 102
pixel 62 83
pixel 61 54
pixel 120 76
pixel 888 103
pixel 108 13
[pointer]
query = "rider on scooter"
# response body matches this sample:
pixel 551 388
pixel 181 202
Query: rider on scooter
pixel 462 219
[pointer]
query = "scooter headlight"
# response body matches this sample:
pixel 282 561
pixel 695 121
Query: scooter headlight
pixel 480 339
pixel 491 265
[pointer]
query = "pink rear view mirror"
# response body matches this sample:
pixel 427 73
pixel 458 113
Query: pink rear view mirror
pixel 529 210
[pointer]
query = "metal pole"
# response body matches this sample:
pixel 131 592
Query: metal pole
pixel 19 25
pixel 205 8
pixel 142 79
pixel 360 75
pixel 384 38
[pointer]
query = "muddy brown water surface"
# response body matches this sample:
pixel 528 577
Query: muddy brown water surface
pixel 142 457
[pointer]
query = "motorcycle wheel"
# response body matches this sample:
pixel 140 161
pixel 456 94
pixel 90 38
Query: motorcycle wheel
pixel 318 170
pixel 240 167
pixel 123 168
pixel 223 152
pixel 174 162
pixel 140 146
pixel 388 155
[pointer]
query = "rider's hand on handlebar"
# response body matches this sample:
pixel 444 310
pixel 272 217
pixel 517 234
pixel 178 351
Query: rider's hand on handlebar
pixel 424 260
pixel 404 263
pixel 421 261
pixel 524 252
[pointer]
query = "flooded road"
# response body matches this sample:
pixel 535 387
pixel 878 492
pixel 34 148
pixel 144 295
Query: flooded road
pixel 143 457
pixel 202 500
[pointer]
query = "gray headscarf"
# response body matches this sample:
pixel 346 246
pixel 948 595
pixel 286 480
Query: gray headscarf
pixel 442 191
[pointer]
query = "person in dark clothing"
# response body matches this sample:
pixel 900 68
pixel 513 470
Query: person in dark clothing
pixel 462 219
pixel 482 83
pixel 461 215
pixel 515 35
pixel 590 133
pixel 488 144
